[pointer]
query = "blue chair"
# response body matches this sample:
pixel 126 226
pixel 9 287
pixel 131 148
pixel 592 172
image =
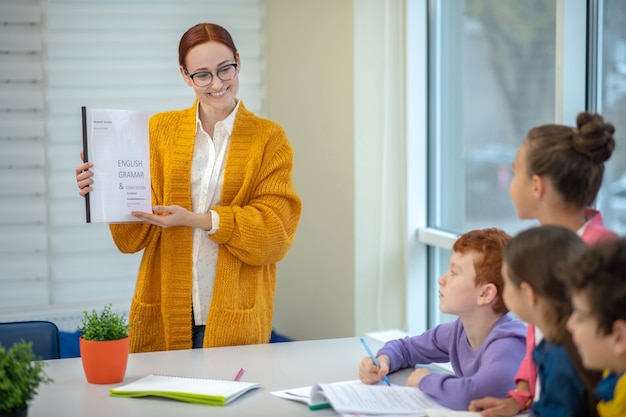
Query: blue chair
pixel 44 336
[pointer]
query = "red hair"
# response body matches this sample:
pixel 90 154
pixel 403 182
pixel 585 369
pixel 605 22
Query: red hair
pixel 489 245
pixel 203 33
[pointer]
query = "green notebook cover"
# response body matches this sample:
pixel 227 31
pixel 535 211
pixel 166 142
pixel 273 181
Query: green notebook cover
pixel 194 390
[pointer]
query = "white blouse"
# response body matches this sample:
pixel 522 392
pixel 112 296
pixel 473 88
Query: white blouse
pixel 207 178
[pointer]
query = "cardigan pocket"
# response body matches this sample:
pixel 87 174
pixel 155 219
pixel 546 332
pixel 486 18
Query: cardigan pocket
pixel 228 327
pixel 148 335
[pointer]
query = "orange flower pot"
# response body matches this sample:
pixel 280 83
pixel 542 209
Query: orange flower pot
pixel 104 362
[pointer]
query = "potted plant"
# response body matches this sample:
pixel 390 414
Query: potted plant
pixel 104 345
pixel 20 376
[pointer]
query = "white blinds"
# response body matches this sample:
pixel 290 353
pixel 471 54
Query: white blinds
pixel 59 55
pixel 23 190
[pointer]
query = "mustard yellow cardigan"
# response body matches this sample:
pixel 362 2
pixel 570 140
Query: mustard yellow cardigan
pixel 259 214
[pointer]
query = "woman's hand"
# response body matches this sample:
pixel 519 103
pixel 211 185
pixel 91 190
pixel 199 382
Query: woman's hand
pixel 168 216
pixel 83 176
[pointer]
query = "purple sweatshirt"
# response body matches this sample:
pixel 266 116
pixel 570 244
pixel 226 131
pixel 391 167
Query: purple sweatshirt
pixel 487 371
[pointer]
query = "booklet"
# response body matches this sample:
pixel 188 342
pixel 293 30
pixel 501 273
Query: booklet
pixel 193 390
pixel 354 397
pixel 303 395
pixel 116 142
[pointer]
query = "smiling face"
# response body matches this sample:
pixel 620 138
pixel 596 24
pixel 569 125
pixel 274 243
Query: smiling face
pixel 594 347
pixel 458 293
pixel 218 96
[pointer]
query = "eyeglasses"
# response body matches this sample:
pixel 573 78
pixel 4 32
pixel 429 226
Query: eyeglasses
pixel 204 78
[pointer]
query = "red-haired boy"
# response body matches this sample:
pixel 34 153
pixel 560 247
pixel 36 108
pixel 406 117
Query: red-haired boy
pixel 484 345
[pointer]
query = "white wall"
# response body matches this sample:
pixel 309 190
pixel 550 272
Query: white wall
pixel 329 85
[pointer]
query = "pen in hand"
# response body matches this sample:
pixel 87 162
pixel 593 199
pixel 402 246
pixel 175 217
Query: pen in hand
pixel 239 374
pixel 369 352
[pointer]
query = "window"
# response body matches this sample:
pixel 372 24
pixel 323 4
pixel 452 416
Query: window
pixel 612 105
pixel 493 77
pixel 496 69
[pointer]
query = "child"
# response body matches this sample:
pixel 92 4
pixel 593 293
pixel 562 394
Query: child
pixel 597 285
pixel 537 295
pixel 557 173
pixel 484 345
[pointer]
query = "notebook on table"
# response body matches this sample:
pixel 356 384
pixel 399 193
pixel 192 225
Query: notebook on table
pixel 194 390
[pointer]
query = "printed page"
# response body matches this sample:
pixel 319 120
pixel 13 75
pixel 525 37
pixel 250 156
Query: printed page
pixel 310 395
pixel 359 398
pixel 116 142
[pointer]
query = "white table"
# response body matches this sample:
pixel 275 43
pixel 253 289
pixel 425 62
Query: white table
pixel 276 366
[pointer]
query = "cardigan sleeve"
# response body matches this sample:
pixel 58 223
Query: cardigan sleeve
pixel 260 208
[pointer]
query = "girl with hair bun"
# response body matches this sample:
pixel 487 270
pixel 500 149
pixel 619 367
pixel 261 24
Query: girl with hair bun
pixel 557 174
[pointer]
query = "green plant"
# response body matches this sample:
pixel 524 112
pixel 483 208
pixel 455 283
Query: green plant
pixel 20 376
pixel 106 325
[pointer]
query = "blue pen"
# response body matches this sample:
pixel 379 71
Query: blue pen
pixel 369 352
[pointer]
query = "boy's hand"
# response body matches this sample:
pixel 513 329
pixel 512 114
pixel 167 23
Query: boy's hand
pixel 369 373
pixel 490 406
pixel 416 376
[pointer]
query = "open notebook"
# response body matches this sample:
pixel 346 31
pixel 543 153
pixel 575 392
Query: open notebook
pixel 193 390
pixel 354 397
